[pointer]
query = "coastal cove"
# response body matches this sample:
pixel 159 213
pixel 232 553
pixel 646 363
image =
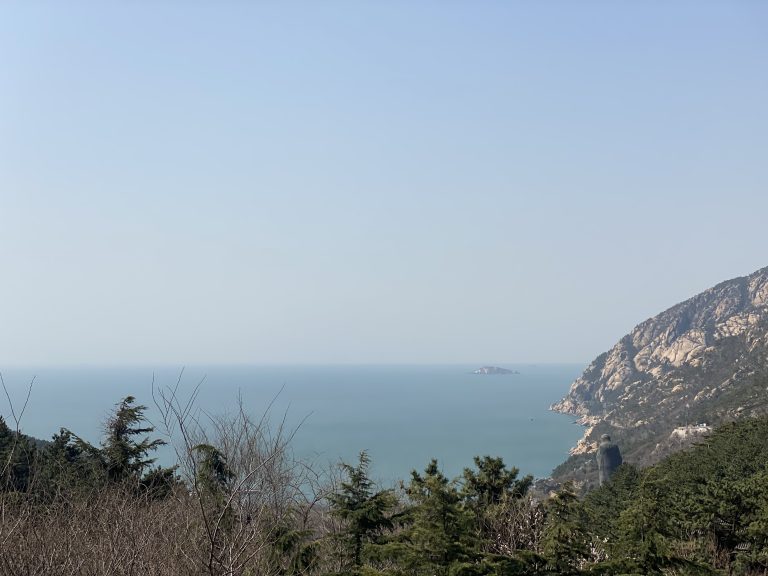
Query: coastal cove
pixel 402 415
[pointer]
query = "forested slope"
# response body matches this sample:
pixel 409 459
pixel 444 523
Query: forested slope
pixel 238 503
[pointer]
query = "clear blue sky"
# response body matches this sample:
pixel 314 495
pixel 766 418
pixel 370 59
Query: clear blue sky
pixel 195 182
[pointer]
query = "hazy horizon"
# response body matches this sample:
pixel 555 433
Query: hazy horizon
pixel 169 365
pixel 371 183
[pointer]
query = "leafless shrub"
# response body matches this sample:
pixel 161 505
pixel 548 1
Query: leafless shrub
pixel 16 445
pixel 269 494
pixel 513 525
pixel 266 516
pixel 111 532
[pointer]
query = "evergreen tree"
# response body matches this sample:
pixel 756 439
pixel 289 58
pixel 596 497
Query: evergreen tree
pixel 122 458
pixel 213 473
pixel 17 457
pixel 754 492
pixel 66 466
pixel 125 456
pixel 489 492
pixel 603 508
pixel 492 483
pixel 441 532
pixel 565 543
pixel 159 482
pixel 292 551
pixel 365 512
pixel 642 528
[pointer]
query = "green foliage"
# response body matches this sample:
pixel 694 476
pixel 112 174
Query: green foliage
pixel 124 456
pixel 490 493
pixel 603 508
pixel 703 511
pixel 492 483
pixel 365 512
pixel 70 464
pixel 441 531
pixel 643 525
pixel 67 466
pixel 719 488
pixel 491 565
pixel 213 473
pixel 159 482
pixel 293 552
pixel 17 456
pixel 566 542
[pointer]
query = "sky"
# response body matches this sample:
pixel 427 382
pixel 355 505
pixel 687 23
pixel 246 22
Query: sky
pixel 371 182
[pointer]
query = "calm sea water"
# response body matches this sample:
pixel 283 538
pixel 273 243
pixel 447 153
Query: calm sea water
pixel 402 415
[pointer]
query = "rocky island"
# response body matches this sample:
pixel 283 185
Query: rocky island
pixel 494 370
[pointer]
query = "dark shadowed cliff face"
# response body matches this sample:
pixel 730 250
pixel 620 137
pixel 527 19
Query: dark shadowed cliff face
pixel 703 360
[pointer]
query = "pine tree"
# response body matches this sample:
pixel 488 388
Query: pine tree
pixel 642 527
pixel 489 492
pixel 492 483
pixel 603 508
pixel 67 466
pixel 441 532
pixel 565 543
pixel 213 483
pixel 754 524
pixel 365 512
pixel 17 456
pixel 213 473
pixel 124 456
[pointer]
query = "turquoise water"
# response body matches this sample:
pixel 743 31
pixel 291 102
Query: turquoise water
pixel 403 415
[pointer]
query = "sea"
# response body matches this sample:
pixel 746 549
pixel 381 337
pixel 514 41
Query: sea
pixel 402 415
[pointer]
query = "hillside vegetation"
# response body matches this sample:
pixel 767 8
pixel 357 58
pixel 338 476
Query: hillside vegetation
pixel 237 503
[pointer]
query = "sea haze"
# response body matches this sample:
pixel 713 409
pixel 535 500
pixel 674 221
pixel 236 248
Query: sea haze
pixel 402 415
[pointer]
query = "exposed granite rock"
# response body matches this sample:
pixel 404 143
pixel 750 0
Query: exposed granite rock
pixel 705 359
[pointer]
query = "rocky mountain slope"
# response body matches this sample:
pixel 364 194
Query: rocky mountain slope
pixel 704 360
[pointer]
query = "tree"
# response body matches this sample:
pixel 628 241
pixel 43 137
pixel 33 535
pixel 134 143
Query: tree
pixel 489 491
pixel 492 483
pixel 366 513
pixel 565 543
pixel 66 466
pixel 122 457
pixel 754 492
pixel 441 532
pixel 213 474
pixel 642 528
pixel 603 508
pixel 17 455
pixel 125 457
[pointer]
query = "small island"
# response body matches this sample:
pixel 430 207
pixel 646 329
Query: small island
pixel 494 370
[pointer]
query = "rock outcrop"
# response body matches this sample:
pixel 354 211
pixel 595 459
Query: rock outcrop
pixel 493 371
pixel 703 360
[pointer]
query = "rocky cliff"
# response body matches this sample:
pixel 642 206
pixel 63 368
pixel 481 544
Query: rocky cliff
pixel 703 360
